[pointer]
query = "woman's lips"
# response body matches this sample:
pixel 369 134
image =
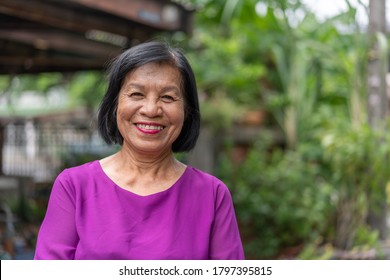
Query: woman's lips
pixel 149 128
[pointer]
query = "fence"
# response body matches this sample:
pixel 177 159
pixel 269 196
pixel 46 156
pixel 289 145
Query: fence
pixel 40 150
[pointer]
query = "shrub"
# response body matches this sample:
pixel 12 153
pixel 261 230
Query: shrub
pixel 281 200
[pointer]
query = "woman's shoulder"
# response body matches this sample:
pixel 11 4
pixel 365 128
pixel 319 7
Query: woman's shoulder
pixel 88 166
pixel 207 187
pixel 204 179
pixel 203 175
pixel 80 180
pixel 80 172
pixel 82 169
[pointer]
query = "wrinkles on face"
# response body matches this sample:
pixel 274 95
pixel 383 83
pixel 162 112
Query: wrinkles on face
pixel 151 97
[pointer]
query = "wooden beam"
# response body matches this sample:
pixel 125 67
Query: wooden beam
pixel 43 40
pixel 31 64
pixel 97 30
pixel 70 19
pixel 159 14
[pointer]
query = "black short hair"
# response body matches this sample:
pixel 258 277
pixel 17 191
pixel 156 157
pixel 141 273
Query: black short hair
pixel 133 58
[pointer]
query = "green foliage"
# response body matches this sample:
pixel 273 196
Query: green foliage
pixel 309 75
pixel 25 209
pixel 222 59
pixel 83 88
pixel 220 113
pixel 316 251
pixel 12 87
pixel 365 238
pixel 303 60
pixel 4 82
pixel 281 199
pixel 86 89
pixel 359 151
pixel 316 194
pixel 359 159
pixel 38 83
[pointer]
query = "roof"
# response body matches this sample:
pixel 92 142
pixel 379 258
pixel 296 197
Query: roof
pixel 72 35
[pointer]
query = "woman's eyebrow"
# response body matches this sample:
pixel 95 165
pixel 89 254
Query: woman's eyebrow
pixel 133 85
pixel 171 88
pixel 163 89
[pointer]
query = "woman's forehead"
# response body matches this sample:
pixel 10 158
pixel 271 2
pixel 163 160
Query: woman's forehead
pixel 153 73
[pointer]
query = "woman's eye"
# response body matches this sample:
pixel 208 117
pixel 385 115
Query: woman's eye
pixel 135 95
pixel 167 98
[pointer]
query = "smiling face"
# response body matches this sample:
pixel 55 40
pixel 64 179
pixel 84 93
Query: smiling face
pixel 150 112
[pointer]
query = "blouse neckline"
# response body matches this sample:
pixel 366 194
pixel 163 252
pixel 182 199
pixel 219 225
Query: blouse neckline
pixel 157 194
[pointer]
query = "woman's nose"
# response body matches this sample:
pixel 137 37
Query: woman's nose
pixel 151 107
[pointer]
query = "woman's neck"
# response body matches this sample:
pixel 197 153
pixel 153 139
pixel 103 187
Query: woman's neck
pixel 142 175
pixel 144 163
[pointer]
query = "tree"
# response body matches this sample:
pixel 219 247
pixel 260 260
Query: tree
pixel 377 96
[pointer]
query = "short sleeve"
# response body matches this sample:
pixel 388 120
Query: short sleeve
pixel 58 238
pixel 225 242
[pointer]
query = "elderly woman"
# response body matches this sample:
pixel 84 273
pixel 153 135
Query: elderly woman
pixel 141 202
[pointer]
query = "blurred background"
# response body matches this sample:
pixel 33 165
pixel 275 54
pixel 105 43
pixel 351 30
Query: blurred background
pixel 294 102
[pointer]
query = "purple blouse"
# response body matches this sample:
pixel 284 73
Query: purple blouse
pixel 90 217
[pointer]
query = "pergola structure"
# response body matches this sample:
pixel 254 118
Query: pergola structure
pixel 71 35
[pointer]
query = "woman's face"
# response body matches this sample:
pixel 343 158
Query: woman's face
pixel 150 111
